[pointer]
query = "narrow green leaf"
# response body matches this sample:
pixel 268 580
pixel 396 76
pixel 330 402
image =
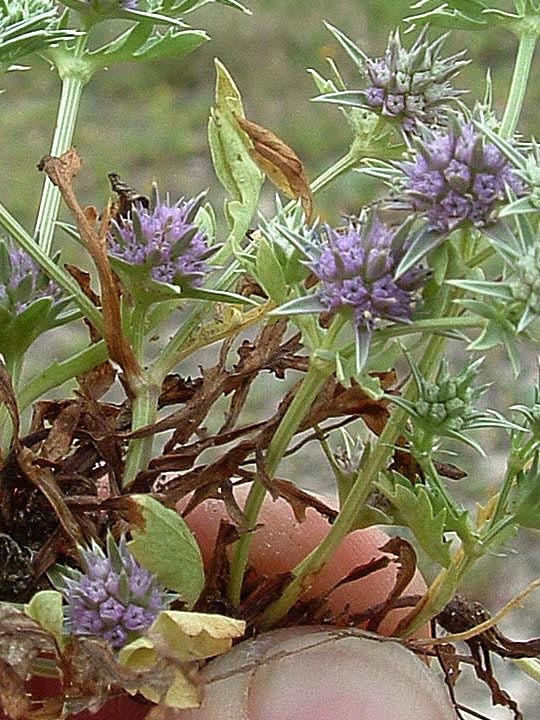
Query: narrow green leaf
pixel 163 543
pixel 355 98
pixel 352 50
pixel 420 246
pixel 484 287
pixel 270 273
pixel 171 44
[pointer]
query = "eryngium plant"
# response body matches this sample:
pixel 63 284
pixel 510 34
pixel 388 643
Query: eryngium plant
pixel 163 242
pixel 356 268
pixel 86 462
pixel 457 178
pixel 113 597
pixel 409 86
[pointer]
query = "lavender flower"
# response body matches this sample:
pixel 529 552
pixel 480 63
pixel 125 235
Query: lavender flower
pixel 457 178
pixel 21 280
pixel 356 267
pixel 164 241
pixel 114 598
pixel 411 86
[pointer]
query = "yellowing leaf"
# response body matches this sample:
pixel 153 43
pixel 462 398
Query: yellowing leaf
pixel 138 654
pixel 235 168
pixel 178 639
pixel 46 609
pixel 163 543
pixel 194 636
pixel 182 691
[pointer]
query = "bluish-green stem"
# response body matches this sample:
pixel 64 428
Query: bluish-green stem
pixel 520 77
pixel 514 465
pixel 145 401
pixel 143 412
pixel 309 567
pixel 318 373
pixel 60 277
pixel 74 73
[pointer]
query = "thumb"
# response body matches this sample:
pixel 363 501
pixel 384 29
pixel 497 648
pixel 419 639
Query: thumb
pixel 319 674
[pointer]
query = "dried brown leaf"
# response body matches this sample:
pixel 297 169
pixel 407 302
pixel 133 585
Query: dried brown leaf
pixel 60 437
pixel 61 172
pixel 96 382
pixel 22 640
pixel 300 500
pixel 44 480
pixel 8 398
pixel 405 559
pixel 279 162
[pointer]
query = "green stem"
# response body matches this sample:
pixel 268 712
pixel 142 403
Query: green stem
pixel 169 357
pixel 75 74
pixel 144 412
pixel 441 591
pixel 339 168
pixel 530 666
pixel 518 87
pixel 306 570
pixel 61 278
pixel 136 331
pixel 319 371
pixel 60 372
pixel 496 529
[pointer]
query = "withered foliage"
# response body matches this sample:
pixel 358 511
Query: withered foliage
pixel 461 615
pixel 60 484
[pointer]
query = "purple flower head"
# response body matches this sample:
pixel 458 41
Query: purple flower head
pixel 457 177
pixel 21 280
pixel 412 85
pixel 113 598
pixel 357 272
pixel 165 241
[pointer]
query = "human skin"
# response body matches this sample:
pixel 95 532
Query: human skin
pixel 314 673
pixel 309 673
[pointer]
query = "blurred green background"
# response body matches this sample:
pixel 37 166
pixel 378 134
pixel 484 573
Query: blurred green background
pixel 149 122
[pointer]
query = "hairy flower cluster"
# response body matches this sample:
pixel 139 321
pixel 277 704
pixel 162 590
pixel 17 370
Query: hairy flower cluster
pixel 412 85
pixel 357 269
pixel 457 177
pixel 165 241
pixel 21 280
pixel 114 598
